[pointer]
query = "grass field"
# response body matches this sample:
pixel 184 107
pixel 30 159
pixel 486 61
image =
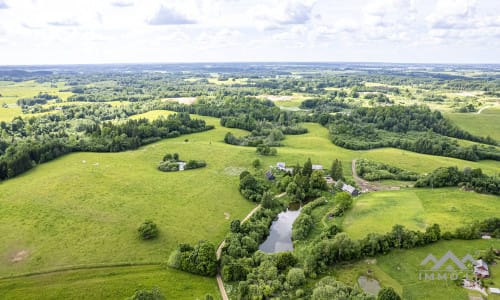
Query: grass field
pixel 12 91
pixel 84 208
pixel 108 283
pixel 483 124
pixel 418 208
pixel 400 270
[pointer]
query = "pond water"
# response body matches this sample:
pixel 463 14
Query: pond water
pixel 280 234
pixel 369 285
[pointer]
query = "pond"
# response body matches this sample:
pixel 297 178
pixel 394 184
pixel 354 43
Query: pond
pixel 280 233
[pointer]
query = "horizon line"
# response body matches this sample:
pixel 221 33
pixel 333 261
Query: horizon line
pixel 248 62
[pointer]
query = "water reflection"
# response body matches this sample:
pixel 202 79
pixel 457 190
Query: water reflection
pixel 280 236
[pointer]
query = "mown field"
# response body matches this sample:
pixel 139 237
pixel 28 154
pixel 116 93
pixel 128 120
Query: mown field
pixel 483 124
pixel 108 283
pixel 418 208
pixel 84 208
pixel 400 270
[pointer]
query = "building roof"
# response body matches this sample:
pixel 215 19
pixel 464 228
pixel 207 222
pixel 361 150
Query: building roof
pixel 317 167
pixel 348 188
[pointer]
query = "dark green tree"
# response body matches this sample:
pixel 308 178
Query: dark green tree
pixel 336 171
pixel 148 230
pixel 388 293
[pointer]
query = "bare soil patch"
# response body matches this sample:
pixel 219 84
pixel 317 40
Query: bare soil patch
pixel 367 186
pixel 20 256
pixel 278 98
pixel 182 100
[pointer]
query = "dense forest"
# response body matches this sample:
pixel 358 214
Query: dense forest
pixel 413 128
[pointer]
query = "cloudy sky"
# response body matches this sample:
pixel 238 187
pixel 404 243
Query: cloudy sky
pixel 112 31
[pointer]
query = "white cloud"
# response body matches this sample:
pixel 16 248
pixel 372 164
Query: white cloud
pixel 3 5
pixel 169 16
pixel 122 4
pixel 281 14
pixel 383 30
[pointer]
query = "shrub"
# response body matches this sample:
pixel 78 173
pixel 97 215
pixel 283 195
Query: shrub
pixel 148 230
pixel 154 294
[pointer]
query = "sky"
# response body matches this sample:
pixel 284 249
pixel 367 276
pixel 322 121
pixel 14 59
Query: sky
pixel 140 31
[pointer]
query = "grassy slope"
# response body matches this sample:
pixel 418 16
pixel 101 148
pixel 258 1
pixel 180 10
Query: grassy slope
pixel 400 269
pixel 108 283
pixel 418 208
pixel 67 212
pixel 484 124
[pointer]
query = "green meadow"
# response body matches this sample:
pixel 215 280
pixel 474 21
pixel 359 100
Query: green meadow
pixel 83 209
pixel 108 283
pixel 400 269
pixel 418 208
pixel 487 123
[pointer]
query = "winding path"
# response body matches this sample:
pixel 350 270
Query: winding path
pixel 367 186
pixel 483 108
pixel 218 277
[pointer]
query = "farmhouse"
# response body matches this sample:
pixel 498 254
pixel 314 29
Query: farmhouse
pixel 350 189
pixel 481 269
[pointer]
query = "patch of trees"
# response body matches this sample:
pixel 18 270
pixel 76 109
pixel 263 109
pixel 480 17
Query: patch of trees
pixel 303 184
pixel 467 108
pixel 199 259
pixel 32 105
pixel 468 179
pixel 329 288
pixel 304 222
pixel 434 98
pixel 372 170
pixel 266 150
pixel 252 187
pixel 172 163
pixel 343 202
pixel 325 105
pixel 413 128
pixel 154 294
pixel 378 97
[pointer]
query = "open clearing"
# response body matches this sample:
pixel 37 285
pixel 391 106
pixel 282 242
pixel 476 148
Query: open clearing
pixel 418 208
pixel 484 124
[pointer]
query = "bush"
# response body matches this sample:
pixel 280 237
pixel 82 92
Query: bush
pixel 154 294
pixel 200 259
pixel 388 293
pixel 295 277
pixel 148 230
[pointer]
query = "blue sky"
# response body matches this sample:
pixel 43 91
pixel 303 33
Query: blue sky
pixel 95 31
